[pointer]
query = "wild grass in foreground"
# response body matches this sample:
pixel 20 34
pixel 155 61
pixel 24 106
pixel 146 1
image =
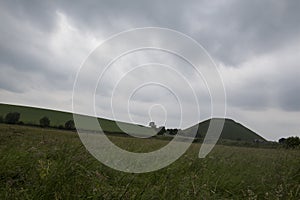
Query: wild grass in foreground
pixel 50 164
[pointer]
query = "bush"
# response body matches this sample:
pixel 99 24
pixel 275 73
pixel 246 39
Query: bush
pixel 172 131
pixel 45 122
pixel 282 141
pixel 290 142
pixel 70 125
pixel 162 130
pixel 12 118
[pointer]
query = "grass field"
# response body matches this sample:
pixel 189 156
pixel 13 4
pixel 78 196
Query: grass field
pixel 51 164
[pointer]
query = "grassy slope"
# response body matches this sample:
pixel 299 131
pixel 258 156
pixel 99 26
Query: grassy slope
pixel 32 115
pixel 231 131
pixel 51 164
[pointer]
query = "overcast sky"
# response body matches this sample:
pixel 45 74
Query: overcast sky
pixel 255 44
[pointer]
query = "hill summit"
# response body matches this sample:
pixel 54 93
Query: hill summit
pixel 232 130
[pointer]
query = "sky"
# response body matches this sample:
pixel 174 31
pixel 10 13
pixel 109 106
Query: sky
pixel 254 44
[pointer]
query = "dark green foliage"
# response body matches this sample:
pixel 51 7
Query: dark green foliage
pixel 45 122
pixel 282 141
pixel 172 131
pixel 290 142
pixel 69 125
pixel 1 119
pixel 162 130
pixel 12 118
pixel 293 142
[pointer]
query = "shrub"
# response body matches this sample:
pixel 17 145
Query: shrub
pixel 292 142
pixel 45 122
pixel 172 131
pixel 162 130
pixel 70 125
pixel 12 118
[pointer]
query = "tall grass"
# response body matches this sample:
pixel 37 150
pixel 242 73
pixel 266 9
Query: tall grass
pixel 50 164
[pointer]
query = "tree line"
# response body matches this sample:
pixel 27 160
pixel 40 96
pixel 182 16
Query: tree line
pixel 290 142
pixel 44 122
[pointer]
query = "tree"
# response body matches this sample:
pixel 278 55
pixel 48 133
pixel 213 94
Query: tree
pixel 70 125
pixel 45 122
pixel 1 119
pixel 161 131
pixel 282 141
pixel 173 131
pixel 12 118
pixel 293 142
pixel 290 142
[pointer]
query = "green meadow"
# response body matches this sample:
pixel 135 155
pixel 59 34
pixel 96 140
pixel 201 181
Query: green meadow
pixel 41 163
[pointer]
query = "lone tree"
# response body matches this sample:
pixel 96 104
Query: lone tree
pixel 70 125
pixel 12 118
pixel 162 130
pixel 45 122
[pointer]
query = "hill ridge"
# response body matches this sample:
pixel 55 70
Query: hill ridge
pixel 232 130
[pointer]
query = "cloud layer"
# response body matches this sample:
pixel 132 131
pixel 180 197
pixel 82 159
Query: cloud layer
pixel 256 45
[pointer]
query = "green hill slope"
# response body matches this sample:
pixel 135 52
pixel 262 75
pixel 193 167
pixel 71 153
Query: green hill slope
pixel 32 115
pixel 231 131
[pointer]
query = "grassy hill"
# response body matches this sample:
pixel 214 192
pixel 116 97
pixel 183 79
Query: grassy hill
pixel 32 115
pixel 231 131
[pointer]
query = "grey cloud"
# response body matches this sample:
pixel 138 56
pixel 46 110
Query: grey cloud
pixel 234 33
pixel 289 99
pixel 39 14
pixel 236 30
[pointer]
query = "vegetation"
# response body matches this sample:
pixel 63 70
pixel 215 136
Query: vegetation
pixel 231 131
pixel 44 122
pixel 161 131
pixel 70 125
pixel 53 164
pixel 172 131
pixel 290 142
pixel 32 116
pixel 12 118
